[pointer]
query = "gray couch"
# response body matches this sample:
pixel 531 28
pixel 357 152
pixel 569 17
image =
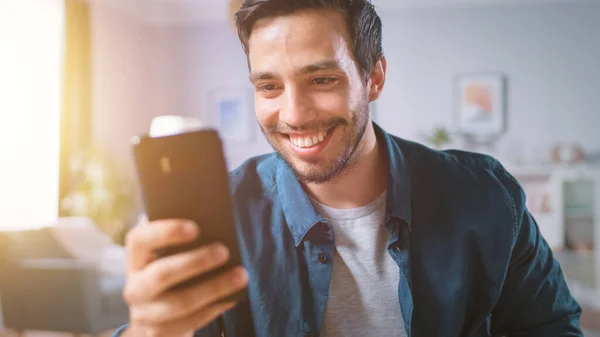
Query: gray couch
pixel 43 288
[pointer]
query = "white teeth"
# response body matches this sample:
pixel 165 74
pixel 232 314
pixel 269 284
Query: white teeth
pixel 306 142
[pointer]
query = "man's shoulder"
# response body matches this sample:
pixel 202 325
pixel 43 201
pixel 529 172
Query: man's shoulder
pixel 465 186
pixel 418 154
pixel 460 170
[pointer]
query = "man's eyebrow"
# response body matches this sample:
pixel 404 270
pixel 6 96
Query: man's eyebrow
pixel 323 65
pixel 261 76
pixel 309 69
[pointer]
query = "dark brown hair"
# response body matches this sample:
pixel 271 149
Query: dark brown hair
pixel 363 23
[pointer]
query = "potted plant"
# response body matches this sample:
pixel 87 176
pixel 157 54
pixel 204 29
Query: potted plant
pixel 101 191
pixel 438 138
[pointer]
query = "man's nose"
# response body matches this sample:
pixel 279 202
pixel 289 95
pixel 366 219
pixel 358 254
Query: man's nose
pixel 297 109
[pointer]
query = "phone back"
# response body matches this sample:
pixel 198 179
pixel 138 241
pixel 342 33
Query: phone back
pixel 185 176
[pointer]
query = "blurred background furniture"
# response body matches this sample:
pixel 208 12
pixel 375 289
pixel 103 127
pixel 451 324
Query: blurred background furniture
pixel 565 201
pixel 45 287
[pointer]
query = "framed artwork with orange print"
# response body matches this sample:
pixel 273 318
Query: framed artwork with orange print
pixel 481 104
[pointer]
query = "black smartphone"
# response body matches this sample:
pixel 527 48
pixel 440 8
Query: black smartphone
pixel 184 176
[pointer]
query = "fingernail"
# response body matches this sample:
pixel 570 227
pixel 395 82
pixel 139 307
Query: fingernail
pixel 239 276
pixel 219 251
pixel 230 306
pixel 190 228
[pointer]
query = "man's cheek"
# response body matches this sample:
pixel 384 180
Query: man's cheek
pixel 266 111
pixel 334 103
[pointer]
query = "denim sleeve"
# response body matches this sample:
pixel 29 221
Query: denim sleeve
pixel 119 331
pixel 535 300
pixel 212 330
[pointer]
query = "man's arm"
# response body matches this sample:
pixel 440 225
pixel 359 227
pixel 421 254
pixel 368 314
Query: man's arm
pixel 535 300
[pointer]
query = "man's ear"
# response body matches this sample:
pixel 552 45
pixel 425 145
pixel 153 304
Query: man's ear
pixel 377 79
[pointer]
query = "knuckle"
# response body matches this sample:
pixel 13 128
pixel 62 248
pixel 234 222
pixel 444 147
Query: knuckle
pixel 208 258
pixel 184 301
pixel 130 238
pixel 162 276
pixel 128 294
pixel 146 318
pixel 199 259
pixel 136 316
pixel 154 332
pixel 224 285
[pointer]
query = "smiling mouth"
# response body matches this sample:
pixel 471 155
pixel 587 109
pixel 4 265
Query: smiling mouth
pixel 308 140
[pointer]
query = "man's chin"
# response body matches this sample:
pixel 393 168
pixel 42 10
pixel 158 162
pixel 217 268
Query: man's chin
pixel 315 170
pixel 312 173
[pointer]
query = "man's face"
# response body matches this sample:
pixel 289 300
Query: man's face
pixel 310 99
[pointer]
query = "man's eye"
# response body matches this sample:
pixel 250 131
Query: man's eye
pixel 267 87
pixel 324 80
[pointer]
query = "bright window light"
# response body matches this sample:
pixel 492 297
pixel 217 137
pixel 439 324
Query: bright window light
pixel 31 41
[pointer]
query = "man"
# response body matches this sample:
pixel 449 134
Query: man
pixel 347 230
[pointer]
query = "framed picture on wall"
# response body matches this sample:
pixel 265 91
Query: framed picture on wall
pixel 233 113
pixel 481 104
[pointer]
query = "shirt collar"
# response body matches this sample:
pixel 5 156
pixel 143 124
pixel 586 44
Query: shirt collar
pixel 300 214
pixel 399 184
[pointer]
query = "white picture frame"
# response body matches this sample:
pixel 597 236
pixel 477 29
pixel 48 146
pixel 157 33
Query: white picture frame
pixel 233 113
pixel 481 104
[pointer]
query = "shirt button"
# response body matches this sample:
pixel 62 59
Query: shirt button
pixel 322 257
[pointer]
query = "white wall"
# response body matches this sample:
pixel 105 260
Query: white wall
pixel 549 52
pixel 124 80
pixel 208 58
pixel 143 71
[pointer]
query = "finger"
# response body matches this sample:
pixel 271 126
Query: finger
pixel 175 305
pixel 164 273
pixel 147 237
pixel 200 320
pixel 188 324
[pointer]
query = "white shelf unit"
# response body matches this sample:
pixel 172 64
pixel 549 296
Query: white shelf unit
pixel 538 183
pixel 577 191
pixel 573 207
pixel 551 191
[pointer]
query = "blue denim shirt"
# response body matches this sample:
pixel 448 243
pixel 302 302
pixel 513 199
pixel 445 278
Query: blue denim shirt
pixel 471 258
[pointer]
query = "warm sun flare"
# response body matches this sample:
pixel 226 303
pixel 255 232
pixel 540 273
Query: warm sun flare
pixel 31 41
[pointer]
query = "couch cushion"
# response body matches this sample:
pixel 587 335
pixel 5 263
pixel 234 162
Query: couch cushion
pixel 32 244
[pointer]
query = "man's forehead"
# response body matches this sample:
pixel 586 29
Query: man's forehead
pixel 285 48
pixel 291 33
pixel 315 29
pixel 275 63
pixel 307 18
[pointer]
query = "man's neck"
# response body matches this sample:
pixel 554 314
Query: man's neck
pixel 359 184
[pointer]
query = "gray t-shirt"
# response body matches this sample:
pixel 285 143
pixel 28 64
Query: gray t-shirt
pixel 363 295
